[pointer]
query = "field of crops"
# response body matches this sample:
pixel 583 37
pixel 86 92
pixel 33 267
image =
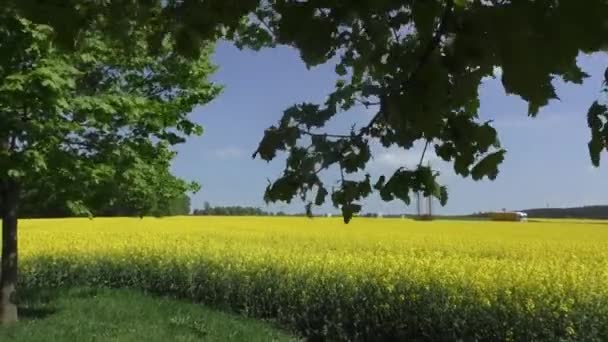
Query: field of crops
pixel 375 279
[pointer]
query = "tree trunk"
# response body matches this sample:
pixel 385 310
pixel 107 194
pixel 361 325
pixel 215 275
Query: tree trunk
pixel 8 275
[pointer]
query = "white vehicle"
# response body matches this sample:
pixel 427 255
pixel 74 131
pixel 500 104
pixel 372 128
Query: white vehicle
pixel 522 216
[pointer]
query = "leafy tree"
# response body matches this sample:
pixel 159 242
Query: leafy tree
pixel 99 120
pixel 179 205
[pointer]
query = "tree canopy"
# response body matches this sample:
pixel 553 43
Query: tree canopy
pixel 419 63
pixel 95 125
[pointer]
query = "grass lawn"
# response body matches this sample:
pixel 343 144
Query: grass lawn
pixel 123 315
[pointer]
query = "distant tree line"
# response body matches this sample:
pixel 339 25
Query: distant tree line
pixel 599 212
pixel 587 212
pixel 233 211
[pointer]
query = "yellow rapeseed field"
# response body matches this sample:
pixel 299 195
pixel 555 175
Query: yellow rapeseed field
pixel 374 279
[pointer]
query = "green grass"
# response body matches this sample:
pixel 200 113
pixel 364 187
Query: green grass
pixel 123 315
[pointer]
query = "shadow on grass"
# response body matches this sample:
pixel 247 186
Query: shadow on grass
pixel 41 312
pixel 36 303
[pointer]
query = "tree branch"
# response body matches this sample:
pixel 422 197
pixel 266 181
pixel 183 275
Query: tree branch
pixel 395 35
pixel 325 135
pixel 13 143
pixel 426 55
pixel 367 104
pixel 433 45
pixel 25 117
pixel 426 145
pixel 267 27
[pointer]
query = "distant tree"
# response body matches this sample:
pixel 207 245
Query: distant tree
pixel 172 206
pixel 587 212
pixel 181 205
pixel 97 120
pixel 230 211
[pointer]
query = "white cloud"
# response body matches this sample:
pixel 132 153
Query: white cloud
pixel 386 160
pixel 497 72
pixel 229 153
pixel 395 157
pixel 398 158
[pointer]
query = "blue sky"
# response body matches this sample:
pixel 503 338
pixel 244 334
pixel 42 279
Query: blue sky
pixel 547 161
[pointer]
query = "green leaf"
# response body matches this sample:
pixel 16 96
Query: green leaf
pixel 443 195
pixel 488 166
pixel 596 118
pixel 380 183
pixel 348 211
pixel 78 208
pixel 321 194
pixel 309 210
pixel 14 173
pixel 341 70
pixel 460 3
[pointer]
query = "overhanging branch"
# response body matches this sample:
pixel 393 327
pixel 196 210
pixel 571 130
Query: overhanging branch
pixel 325 135
pixel 426 146
pixel 267 27
pixel 434 44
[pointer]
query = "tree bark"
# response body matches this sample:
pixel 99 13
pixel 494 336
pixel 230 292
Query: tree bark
pixel 8 275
